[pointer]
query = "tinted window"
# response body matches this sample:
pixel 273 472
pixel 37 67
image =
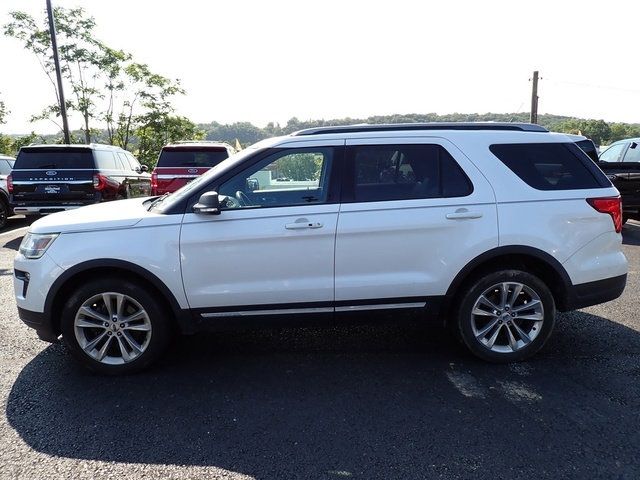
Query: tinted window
pixel 589 148
pixel 191 158
pixel 613 153
pixel 401 172
pixel 54 158
pixel 105 160
pixel 633 153
pixel 291 177
pixel 551 166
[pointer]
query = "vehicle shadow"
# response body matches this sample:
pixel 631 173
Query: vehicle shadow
pixel 631 234
pixel 371 402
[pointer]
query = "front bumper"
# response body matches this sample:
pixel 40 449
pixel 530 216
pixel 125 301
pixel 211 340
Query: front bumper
pixel 41 323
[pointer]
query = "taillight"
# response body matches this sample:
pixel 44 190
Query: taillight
pixel 10 184
pixel 154 183
pixel 610 205
pixel 99 181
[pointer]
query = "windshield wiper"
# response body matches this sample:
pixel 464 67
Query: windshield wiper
pixel 158 201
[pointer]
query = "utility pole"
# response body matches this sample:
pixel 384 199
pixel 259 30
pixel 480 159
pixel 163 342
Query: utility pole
pixel 534 98
pixel 56 61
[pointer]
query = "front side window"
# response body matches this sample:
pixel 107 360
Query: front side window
pixel 285 178
pixel 613 153
pixel 404 172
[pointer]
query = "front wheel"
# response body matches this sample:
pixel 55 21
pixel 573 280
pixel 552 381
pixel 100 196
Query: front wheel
pixel 505 316
pixel 114 326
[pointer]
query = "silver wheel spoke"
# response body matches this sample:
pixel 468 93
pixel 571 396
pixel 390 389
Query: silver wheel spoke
pixel 523 336
pixel 90 324
pixel 478 311
pixel 132 343
pixel 536 317
pixel 92 344
pixel 517 288
pixel 513 343
pixel 143 327
pixel 527 306
pixel 105 347
pixel 504 292
pixel 126 356
pixel 119 305
pixel 106 298
pixel 136 316
pixel 89 312
pixel 486 329
pixel 493 337
pixel 484 300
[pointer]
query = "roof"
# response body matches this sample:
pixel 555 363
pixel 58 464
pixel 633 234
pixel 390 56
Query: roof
pixel 198 144
pixel 80 146
pixel 390 127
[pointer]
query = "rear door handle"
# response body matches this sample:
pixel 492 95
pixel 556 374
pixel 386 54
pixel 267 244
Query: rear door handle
pixel 302 223
pixel 463 214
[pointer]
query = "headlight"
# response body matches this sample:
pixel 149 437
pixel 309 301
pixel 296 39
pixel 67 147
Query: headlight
pixel 35 244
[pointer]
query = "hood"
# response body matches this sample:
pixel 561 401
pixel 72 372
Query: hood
pixel 101 216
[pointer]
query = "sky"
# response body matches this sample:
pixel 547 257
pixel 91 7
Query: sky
pixel 268 61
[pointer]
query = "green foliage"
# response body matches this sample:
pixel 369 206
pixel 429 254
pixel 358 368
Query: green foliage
pixel 3 112
pixel 299 166
pixel 9 145
pixel 160 129
pixel 106 85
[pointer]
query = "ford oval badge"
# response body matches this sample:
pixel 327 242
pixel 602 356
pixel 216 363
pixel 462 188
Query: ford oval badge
pixel 193 170
pixel 51 172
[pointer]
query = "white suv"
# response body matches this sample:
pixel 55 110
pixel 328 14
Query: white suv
pixel 490 228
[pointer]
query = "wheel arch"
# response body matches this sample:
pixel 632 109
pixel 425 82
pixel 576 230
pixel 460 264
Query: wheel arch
pixel 71 278
pixel 529 259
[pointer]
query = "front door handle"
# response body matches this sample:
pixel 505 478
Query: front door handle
pixel 302 223
pixel 463 214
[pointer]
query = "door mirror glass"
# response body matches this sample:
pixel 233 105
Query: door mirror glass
pixel 144 168
pixel 208 204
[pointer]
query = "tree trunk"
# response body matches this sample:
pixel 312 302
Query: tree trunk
pixel 87 133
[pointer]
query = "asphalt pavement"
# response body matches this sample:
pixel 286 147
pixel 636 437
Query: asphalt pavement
pixel 383 401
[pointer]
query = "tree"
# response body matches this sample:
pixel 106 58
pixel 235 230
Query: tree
pixel 3 112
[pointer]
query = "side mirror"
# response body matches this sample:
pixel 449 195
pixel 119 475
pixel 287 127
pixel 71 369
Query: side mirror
pixel 144 168
pixel 208 204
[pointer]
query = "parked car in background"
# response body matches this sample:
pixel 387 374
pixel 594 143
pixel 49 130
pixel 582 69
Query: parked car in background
pixel 6 164
pixel 621 162
pixel 52 178
pixel 181 162
pixel 491 228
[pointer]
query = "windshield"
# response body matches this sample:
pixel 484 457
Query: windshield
pixel 191 187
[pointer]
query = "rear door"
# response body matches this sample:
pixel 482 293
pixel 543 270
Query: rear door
pixel 53 176
pixel 631 164
pixel 415 211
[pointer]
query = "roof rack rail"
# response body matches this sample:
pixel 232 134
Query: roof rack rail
pixel 179 142
pixel 397 127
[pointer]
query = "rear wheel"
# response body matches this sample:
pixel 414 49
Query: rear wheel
pixel 505 316
pixel 114 326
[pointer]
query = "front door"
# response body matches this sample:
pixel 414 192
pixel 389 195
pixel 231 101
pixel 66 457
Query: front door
pixel 271 249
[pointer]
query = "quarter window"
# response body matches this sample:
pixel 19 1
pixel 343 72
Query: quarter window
pixel 291 177
pixel 551 166
pixel 633 153
pixel 404 172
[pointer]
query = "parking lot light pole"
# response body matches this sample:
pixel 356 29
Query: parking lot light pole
pixel 56 61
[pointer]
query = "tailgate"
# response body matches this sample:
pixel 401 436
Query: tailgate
pixel 68 187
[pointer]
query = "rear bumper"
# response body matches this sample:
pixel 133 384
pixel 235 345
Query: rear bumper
pixel 44 209
pixel 593 293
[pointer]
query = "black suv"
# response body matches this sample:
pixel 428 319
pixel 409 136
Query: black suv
pixel 52 178
pixel 621 162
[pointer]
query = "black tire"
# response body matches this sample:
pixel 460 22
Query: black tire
pixel 160 327
pixel 464 321
pixel 5 212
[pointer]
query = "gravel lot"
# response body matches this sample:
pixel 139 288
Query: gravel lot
pixel 357 402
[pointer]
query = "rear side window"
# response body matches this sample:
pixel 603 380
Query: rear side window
pixel 551 166
pixel 185 158
pixel 54 158
pixel 404 172
pixel 633 153
pixel 5 167
pixel 105 160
